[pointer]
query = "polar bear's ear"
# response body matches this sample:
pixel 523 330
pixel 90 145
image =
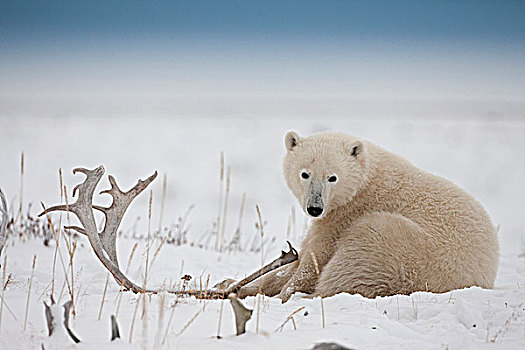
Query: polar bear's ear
pixel 291 140
pixel 356 149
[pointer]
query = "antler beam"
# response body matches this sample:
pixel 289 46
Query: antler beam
pixel 285 259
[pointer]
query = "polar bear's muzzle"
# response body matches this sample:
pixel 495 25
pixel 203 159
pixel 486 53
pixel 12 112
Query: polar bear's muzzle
pixel 315 204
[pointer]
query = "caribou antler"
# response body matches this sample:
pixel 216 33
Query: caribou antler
pixel 103 243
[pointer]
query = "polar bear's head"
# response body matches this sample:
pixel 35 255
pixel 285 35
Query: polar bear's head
pixel 324 171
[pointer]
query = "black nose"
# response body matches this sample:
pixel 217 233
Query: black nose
pixel 314 211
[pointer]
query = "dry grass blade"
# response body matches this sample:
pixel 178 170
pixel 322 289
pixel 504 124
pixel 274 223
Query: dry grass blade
pixel 288 318
pixel 160 323
pixel 164 239
pixel 220 320
pixel 163 201
pixel 4 285
pixel 6 306
pixel 29 291
pixel 121 289
pixel 169 321
pixel 225 209
pixel 133 320
pixel 57 240
pixel 219 211
pixel 314 259
pixel 322 312
pixel 513 317
pixel 103 297
pixel 21 203
pixel 262 263
pixel 190 322
pixel 316 265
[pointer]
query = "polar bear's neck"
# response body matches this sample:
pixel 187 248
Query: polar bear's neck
pixel 388 175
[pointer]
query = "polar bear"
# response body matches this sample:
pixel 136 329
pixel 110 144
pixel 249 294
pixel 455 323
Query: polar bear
pixel 381 226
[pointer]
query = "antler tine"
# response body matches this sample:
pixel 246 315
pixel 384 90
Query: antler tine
pixel 86 171
pixel 87 188
pixel 114 214
pixel 85 196
pixel 76 228
pixel 114 186
pixel 61 207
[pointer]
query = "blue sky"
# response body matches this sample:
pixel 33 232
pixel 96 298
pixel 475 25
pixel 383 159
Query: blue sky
pixel 478 21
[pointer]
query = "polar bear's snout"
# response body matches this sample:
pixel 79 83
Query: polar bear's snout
pixel 315 203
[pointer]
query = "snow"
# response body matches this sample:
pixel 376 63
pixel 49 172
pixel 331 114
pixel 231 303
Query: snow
pixel 483 156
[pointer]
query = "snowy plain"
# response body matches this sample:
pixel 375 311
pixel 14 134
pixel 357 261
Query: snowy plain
pixel 482 155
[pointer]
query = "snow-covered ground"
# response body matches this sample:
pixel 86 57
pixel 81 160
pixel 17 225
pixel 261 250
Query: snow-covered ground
pixel 484 157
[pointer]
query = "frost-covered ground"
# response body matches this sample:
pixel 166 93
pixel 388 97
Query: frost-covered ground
pixel 484 157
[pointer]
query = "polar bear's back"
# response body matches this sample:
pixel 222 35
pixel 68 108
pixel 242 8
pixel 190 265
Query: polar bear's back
pixel 457 235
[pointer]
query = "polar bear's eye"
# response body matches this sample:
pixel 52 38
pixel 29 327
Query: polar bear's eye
pixel 305 175
pixel 332 178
